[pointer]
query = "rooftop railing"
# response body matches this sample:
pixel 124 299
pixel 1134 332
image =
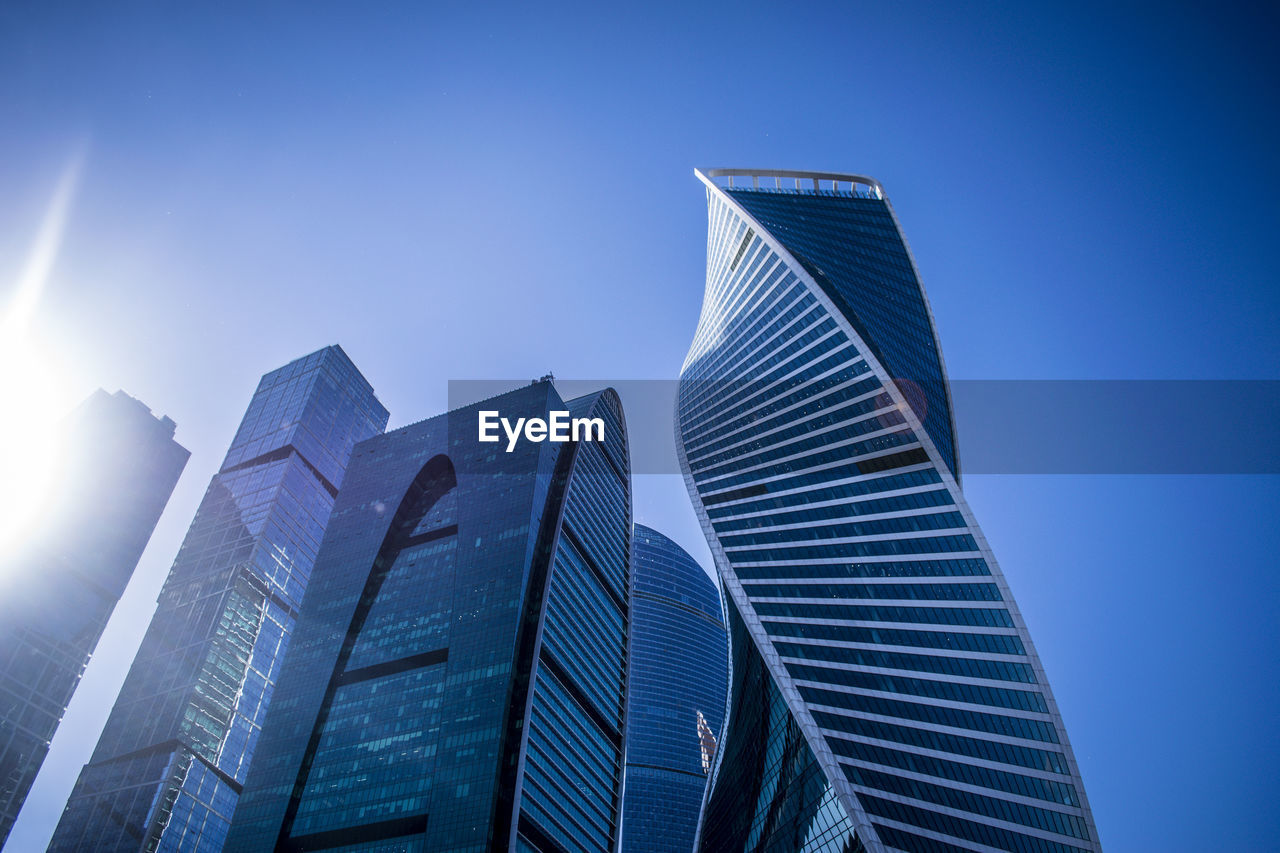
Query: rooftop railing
pixel 783 180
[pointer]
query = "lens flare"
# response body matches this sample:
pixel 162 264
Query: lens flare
pixel 33 394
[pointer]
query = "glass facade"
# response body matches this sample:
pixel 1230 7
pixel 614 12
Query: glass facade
pixel 119 466
pixel 679 677
pixel 875 642
pixel 171 762
pixel 776 798
pixel 457 678
pixel 872 281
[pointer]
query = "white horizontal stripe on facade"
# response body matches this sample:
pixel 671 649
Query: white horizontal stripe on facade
pixel 927 651
pixel 848 540
pixel 870 496
pixel 1046 775
pixel 897 626
pixel 969 680
pixel 976 817
pixel 934 836
pixel 872 581
pixel 836 561
pixel 933 701
pixel 972 734
pixel 967 787
pixel 844 519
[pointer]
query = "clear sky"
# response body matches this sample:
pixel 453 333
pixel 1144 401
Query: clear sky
pixel 489 191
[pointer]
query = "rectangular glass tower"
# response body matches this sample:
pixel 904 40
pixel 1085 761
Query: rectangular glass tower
pixel 119 464
pixel 171 761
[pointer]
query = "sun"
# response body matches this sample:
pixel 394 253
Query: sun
pixel 34 400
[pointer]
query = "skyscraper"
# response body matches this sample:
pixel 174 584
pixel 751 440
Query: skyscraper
pixel 170 763
pixel 885 694
pixel 679 677
pixel 118 467
pixel 458 676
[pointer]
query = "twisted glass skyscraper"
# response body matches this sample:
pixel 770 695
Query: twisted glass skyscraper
pixel 679 669
pixel 170 763
pixel 885 694
pixel 458 678
pixel 119 466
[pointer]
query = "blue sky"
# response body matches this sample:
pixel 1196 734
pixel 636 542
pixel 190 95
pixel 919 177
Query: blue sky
pixel 458 191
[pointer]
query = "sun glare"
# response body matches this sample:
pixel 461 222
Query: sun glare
pixel 34 398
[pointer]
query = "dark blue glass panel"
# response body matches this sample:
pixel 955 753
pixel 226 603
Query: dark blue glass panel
pixel 679 669
pixel 769 794
pixel 852 248
pixel 457 677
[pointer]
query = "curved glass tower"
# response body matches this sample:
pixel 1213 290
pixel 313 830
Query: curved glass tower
pixel 885 694
pixel 458 677
pixel 676 695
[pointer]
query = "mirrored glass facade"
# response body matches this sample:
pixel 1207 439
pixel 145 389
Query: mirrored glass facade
pixel 119 464
pixel 171 762
pixel 885 690
pixel 457 678
pixel 775 797
pixel 679 668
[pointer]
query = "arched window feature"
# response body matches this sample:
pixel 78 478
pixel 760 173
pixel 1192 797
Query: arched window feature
pixel 393 648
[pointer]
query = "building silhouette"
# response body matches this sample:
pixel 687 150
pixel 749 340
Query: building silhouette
pixel 118 465
pixel 676 697
pixel 170 763
pixel 885 694
pixel 458 676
